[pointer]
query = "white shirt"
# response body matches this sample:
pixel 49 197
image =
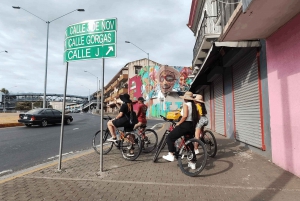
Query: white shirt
pixel 189 117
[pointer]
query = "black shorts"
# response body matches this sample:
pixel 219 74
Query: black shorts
pixel 123 122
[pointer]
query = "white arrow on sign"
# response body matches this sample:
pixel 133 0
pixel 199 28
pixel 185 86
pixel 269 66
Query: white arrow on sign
pixel 110 48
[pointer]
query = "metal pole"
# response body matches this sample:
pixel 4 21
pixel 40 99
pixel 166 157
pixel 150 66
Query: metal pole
pixel 101 127
pixel 149 84
pixel 97 95
pixel 89 101
pixel 4 103
pixel 45 81
pixel 63 118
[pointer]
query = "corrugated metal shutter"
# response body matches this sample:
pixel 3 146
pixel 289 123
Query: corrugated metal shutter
pixel 219 106
pixel 246 100
pixel 207 105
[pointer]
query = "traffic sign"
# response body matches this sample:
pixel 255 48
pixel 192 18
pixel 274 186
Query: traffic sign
pixel 93 39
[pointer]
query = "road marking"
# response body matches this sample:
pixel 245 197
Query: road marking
pixel 5 171
pixel 75 129
pixel 42 166
pixel 168 184
pixel 71 152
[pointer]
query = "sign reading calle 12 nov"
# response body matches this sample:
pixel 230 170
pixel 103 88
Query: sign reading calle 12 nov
pixel 91 39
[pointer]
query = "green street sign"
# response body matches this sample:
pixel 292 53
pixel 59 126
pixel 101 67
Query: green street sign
pixel 94 52
pixel 93 39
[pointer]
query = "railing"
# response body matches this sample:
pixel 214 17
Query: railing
pixel 123 77
pixel 200 37
pixel 123 90
pixel 227 11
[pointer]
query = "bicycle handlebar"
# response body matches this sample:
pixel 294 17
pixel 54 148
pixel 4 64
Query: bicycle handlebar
pixel 168 120
pixel 107 118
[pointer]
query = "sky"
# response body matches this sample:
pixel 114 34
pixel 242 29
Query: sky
pixel 156 26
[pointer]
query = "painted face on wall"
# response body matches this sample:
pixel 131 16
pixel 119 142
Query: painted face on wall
pixel 166 81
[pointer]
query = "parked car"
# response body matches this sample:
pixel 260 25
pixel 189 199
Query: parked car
pixel 175 115
pixel 43 117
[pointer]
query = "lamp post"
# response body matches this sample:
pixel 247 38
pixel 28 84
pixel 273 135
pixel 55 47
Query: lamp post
pixel 89 98
pixel 97 88
pixel 48 23
pixel 147 68
pixel 4 51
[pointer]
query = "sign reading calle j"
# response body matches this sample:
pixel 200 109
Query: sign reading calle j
pixel 93 39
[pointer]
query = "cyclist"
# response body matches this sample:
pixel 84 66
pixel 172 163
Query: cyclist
pixel 121 120
pixel 185 126
pixel 203 121
pixel 141 113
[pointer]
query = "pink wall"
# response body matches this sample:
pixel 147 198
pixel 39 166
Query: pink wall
pixel 283 60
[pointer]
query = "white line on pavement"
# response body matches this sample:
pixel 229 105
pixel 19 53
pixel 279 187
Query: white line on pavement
pixel 5 171
pixel 71 152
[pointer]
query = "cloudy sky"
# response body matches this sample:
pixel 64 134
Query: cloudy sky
pixel 156 26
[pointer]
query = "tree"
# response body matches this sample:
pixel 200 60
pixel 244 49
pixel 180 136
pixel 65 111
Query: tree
pixel 5 91
pixel 23 106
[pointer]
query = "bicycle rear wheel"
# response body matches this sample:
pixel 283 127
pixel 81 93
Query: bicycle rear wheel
pixel 150 140
pixel 160 146
pixel 210 142
pixel 131 146
pixel 190 163
pixel 107 146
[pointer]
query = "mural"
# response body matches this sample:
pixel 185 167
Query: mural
pixel 156 84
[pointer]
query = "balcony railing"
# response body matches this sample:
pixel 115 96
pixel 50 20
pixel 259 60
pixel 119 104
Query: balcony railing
pixel 123 90
pixel 114 95
pixel 123 77
pixel 114 84
pixel 200 37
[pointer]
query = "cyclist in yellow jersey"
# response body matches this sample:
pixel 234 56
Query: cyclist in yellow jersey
pixel 203 121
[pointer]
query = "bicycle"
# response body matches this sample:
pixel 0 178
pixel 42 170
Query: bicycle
pixel 149 137
pixel 210 142
pixel 185 153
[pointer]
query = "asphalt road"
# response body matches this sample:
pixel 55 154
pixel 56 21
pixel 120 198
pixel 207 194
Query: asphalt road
pixel 22 147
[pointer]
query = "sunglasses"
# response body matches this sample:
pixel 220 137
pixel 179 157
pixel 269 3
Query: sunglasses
pixel 168 78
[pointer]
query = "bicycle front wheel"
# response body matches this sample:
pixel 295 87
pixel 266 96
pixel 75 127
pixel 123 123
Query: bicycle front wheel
pixel 190 163
pixel 107 146
pixel 131 146
pixel 210 142
pixel 149 141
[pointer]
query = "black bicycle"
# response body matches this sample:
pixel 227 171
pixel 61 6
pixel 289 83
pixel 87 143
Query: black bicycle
pixel 130 143
pixel 210 142
pixel 189 163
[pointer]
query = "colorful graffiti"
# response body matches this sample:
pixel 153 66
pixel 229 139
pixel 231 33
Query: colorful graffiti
pixel 156 83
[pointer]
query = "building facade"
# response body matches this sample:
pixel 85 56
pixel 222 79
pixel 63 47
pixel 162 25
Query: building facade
pixel 250 75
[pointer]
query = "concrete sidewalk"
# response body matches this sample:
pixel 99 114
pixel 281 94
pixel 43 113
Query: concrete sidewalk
pixel 235 173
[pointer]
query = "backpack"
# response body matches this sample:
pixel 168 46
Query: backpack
pixel 133 118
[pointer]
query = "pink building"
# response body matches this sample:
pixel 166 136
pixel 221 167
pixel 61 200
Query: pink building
pixel 283 60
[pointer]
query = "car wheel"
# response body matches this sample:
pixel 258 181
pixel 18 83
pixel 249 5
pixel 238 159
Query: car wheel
pixel 68 121
pixel 44 123
pixel 28 125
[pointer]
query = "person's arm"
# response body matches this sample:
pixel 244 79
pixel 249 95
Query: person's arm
pixel 185 114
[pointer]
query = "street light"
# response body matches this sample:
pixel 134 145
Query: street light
pixel 4 51
pixel 88 97
pixel 97 88
pixel 148 64
pixel 48 23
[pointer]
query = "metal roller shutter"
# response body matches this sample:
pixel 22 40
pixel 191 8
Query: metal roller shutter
pixel 246 100
pixel 219 106
pixel 207 105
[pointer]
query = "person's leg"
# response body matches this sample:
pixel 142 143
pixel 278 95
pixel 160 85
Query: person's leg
pixel 171 138
pixel 197 136
pixel 111 129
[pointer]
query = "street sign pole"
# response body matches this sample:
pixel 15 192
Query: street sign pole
pixel 63 118
pixel 101 127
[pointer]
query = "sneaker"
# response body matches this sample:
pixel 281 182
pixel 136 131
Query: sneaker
pixel 130 154
pixel 169 157
pixel 112 139
pixel 197 151
pixel 192 165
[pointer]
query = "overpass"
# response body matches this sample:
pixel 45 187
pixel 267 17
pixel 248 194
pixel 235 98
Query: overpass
pixel 9 101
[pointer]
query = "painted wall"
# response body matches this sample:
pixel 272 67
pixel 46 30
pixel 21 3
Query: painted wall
pixel 283 61
pixel 160 86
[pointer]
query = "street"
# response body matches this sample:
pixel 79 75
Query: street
pixel 22 147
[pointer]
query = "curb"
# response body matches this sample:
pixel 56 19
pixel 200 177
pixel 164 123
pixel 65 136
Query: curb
pixel 10 125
